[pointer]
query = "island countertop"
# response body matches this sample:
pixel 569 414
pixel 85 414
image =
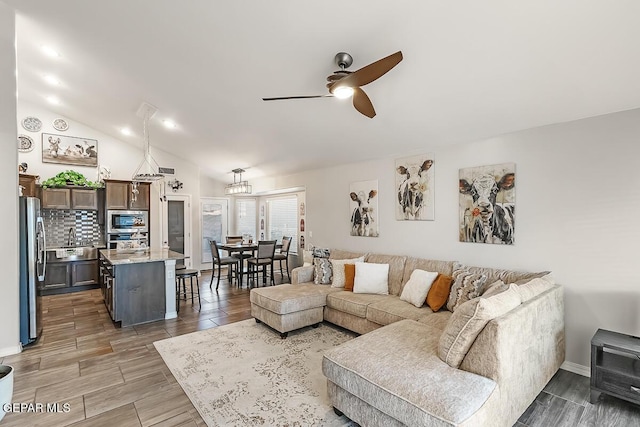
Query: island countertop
pixel 115 257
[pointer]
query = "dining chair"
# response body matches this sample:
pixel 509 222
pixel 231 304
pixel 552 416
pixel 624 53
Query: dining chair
pixel 232 240
pixel 262 260
pixel 218 260
pixel 283 255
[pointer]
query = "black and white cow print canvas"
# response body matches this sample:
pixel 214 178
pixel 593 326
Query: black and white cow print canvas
pixel 363 203
pixel 487 204
pixel 414 188
pixel 69 150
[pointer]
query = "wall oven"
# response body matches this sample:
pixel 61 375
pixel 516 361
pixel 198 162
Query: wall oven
pixel 123 222
pixel 136 240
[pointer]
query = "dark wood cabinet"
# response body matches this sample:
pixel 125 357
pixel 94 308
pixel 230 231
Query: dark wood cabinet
pixel 70 276
pixel 56 198
pixel 615 366
pixel 84 199
pixel 70 198
pixel 84 273
pixel 28 183
pixel 56 275
pixel 142 201
pixel 118 195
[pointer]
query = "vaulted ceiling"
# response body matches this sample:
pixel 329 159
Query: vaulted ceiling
pixel 471 70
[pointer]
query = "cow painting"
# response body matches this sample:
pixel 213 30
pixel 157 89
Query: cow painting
pixel 414 182
pixel 487 204
pixel 364 204
pixel 69 150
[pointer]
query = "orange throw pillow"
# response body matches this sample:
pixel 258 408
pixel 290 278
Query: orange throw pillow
pixel 349 276
pixel 439 292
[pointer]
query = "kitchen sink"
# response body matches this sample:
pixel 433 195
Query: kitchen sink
pixel 72 253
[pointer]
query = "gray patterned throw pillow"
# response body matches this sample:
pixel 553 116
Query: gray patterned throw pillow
pixel 466 286
pixel 320 252
pixel 323 271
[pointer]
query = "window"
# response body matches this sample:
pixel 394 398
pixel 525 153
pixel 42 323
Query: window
pixel 246 217
pixel 283 220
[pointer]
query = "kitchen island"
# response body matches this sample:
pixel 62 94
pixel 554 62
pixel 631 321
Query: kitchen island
pixel 139 286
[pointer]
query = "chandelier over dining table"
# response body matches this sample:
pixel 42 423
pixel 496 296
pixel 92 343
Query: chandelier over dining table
pixel 238 186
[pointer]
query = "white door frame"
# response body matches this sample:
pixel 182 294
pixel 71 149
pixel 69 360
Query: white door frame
pixel 188 229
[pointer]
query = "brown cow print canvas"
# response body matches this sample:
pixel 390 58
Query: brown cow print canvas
pixel 487 204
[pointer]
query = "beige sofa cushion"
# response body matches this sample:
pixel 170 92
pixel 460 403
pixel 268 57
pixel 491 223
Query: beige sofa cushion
pixel 507 276
pixel 348 302
pixel 437 320
pixel 444 267
pixel 396 269
pixel 533 288
pixel 340 254
pixel 284 299
pixel 396 370
pixel 337 267
pixel 468 321
pixel 392 309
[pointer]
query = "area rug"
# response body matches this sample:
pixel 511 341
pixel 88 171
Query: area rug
pixel 244 374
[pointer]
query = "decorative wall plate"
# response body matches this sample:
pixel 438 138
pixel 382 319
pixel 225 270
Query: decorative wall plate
pixel 60 125
pixel 32 124
pixel 25 143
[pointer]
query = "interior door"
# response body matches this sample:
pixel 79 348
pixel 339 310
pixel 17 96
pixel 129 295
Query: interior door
pixel 214 216
pixel 177 225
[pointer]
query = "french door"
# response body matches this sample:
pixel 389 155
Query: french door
pixel 214 217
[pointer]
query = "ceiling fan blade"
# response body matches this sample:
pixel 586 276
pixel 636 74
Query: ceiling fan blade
pixel 371 72
pixel 296 97
pixel 362 103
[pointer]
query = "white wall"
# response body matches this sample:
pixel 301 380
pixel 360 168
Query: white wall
pixel 577 205
pixel 9 261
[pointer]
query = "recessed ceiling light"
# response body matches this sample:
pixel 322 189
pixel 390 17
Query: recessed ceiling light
pixel 169 124
pixel 49 51
pixel 53 100
pixel 126 131
pixel 52 80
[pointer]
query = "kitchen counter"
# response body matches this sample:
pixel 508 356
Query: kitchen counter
pixel 115 257
pixel 139 286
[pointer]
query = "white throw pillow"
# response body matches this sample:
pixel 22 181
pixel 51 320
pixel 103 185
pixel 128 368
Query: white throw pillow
pixel 339 278
pixel 417 288
pixel 371 278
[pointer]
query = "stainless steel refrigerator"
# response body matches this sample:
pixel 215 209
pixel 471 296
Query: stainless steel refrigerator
pixel 32 269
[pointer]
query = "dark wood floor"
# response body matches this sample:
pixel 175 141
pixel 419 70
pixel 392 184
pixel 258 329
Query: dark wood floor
pixel 113 376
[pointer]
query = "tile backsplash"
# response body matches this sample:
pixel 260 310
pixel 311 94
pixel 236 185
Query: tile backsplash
pixel 57 223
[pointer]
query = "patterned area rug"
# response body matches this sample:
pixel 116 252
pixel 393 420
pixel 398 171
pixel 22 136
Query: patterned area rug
pixel 243 374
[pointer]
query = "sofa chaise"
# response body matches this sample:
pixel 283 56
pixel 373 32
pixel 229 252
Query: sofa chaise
pixel 399 372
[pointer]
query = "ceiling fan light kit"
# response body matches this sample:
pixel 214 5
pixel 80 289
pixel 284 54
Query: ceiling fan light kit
pixel 343 83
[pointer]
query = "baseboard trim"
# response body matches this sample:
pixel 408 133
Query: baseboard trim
pixel 585 371
pixel 9 351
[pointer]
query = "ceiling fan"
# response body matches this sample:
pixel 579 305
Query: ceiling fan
pixel 344 83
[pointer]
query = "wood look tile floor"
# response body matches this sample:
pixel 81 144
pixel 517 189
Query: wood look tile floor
pixel 114 376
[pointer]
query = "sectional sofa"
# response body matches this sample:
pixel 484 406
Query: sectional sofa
pixel 412 366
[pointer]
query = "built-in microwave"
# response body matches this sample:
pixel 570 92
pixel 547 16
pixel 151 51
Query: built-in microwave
pixel 127 221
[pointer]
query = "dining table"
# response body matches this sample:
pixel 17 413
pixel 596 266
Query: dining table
pixel 241 248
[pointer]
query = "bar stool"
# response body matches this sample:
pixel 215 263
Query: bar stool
pixel 181 277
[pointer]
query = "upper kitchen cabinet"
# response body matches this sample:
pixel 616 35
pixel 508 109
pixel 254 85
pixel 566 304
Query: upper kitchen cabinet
pixel 28 183
pixel 119 196
pixel 84 199
pixel 56 198
pixel 70 198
